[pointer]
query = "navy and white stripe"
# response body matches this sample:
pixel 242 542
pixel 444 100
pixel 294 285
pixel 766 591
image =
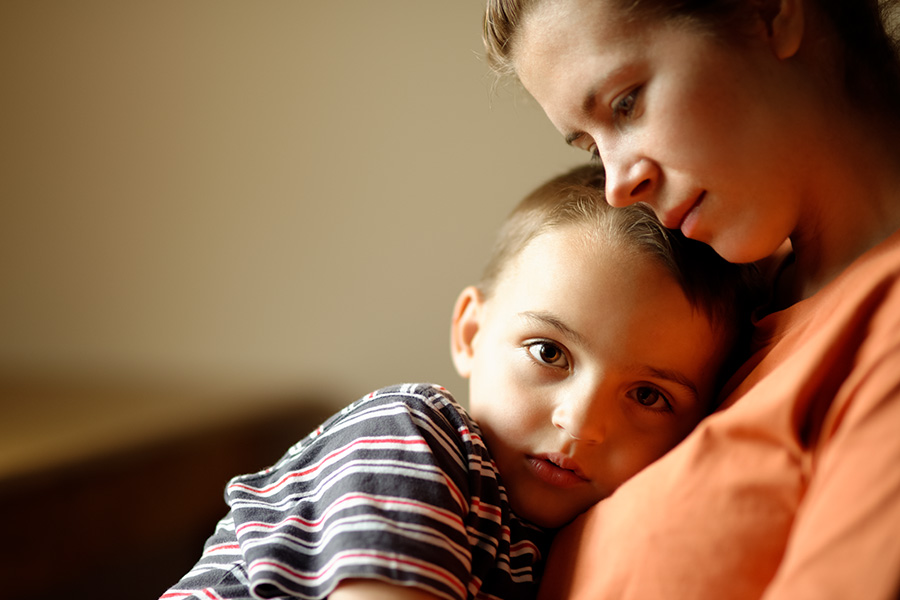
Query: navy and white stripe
pixel 397 487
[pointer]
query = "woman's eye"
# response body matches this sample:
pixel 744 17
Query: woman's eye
pixel 586 143
pixel 548 353
pixel 625 106
pixel 651 397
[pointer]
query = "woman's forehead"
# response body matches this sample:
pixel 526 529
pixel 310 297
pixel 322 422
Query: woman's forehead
pixel 566 41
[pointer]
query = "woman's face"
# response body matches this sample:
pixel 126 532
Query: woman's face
pixel 709 133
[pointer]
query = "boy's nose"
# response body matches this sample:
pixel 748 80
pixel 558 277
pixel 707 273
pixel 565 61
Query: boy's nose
pixel 581 417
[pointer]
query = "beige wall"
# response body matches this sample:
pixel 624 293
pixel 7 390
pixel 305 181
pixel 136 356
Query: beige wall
pixel 273 192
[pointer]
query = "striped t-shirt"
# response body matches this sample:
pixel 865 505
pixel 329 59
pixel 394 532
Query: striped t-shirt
pixel 397 487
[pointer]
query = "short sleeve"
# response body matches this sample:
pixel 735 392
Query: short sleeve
pixel 381 492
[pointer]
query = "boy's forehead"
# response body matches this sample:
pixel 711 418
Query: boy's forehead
pixel 577 264
pixel 568 242
pixel 611 300
pixel 565 259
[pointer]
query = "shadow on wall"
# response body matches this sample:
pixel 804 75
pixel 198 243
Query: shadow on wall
pixel 129 524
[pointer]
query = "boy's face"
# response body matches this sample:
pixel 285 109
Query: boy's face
pixel 586 364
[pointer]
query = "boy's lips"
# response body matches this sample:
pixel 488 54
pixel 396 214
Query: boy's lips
pixel 557 470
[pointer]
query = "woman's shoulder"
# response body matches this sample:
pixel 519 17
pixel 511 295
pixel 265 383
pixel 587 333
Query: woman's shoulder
pixel 883 260
pixel 869 289
pixel 855 316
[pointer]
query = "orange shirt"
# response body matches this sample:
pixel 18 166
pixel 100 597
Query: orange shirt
pixel 791 491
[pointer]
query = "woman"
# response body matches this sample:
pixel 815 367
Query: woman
pixel 769 130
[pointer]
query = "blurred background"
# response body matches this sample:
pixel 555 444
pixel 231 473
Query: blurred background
pixel 219 221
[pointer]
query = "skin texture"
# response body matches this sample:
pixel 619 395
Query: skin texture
pixel 728 140
pixel 586 364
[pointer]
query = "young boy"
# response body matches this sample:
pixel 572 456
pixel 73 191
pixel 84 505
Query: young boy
pixel 593 344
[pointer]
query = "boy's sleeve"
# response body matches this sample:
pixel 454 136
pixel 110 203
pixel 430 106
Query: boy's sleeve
pixel 382 493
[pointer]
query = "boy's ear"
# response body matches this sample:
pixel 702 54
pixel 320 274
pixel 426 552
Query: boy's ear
pixel 785 25
pixel 465 324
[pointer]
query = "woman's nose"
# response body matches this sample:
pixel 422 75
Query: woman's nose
pixel 630 180
pixel 581 417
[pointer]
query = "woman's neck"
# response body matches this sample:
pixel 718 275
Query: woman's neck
pixel 854 206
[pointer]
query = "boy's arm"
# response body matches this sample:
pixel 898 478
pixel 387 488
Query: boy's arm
pixel 380 493
pixel 368 589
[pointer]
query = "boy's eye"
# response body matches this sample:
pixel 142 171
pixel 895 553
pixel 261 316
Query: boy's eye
pixel 651 398
pixel 548 353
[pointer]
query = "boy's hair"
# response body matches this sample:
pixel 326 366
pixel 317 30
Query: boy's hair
pixel 726 293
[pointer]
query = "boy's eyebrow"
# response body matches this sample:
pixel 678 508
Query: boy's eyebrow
pixel 549 319
pixel 675 377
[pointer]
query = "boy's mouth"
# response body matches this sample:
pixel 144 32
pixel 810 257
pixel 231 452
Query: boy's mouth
pixel 557 470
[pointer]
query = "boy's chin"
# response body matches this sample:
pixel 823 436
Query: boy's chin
pixel 538 511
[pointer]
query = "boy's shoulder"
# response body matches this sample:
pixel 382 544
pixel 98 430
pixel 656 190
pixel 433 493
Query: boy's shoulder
pixel 413 395
pixel 408 423
pixel 395 408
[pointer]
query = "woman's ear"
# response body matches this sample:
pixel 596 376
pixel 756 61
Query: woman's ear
pixel 464 327
pixel 785 24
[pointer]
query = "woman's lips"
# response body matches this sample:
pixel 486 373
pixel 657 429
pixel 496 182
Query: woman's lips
pixel 558 471
pixel 688 223
pixel 684 219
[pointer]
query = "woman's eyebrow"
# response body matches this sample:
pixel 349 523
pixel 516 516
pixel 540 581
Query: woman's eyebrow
pixel 589 102
pixel 587 107
pixel 545 318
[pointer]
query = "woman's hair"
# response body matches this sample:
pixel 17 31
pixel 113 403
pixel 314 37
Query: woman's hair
pixel 502 25
pixel 864 29
pixel 726 293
